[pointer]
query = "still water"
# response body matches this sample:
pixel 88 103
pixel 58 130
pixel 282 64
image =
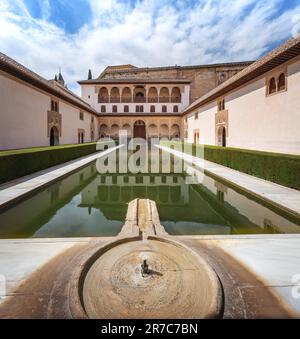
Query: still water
pixel 88 204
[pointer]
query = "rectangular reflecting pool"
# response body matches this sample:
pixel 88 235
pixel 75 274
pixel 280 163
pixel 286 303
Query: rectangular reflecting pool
pixel 89 204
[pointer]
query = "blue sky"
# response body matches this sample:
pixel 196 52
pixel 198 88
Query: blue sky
pixel 77 35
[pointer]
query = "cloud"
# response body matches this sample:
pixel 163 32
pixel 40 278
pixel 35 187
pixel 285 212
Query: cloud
pixel 143 33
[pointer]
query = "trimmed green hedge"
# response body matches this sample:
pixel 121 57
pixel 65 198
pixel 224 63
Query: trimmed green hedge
pixel 17 163
pixel 283 169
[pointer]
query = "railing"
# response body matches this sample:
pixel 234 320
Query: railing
pixel 126 100
pixel 139 99
pixel 103 99
pixel 115 100
pixel 150 100
pixel 164 99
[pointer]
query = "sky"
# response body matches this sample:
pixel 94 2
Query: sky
pixel 80 35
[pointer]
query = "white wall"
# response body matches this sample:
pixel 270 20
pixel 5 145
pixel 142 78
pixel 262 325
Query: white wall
pixel 261 122
pixel 23 117
pixel 256 121
pixel 71 123
pixel 205 124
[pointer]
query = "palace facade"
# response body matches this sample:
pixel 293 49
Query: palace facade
pixel 149 102
pixel 243 104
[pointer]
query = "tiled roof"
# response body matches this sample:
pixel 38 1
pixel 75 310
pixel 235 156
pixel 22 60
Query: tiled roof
pixel 135 81
pixel 276 57
pixel 162 68
pixel 52 87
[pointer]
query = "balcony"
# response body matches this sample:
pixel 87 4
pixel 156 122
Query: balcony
pixel 176 100
pixel 115 100
pixel 126 100
pixel 152 100
pixel 164 99
pixel 139 100
pixel 103 100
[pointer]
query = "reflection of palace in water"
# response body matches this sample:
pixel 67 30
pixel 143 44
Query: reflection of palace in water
pixel 115 189
pixel 209 203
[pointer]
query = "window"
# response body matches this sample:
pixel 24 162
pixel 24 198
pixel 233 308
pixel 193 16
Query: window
pixel 164 109
pixel 115 109
pixel 276 83
pixel 175 109
pixel 152 109
pixel 103 109
pixel 81 115
pixel 272 86
pixel 196 116
pixel 281 82
pixel 54 106
pixel 126 109
pixel 139 109
pixel 221 105
pixel 92 120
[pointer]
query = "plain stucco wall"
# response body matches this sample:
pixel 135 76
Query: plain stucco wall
pixel 23 117
pixel 257 121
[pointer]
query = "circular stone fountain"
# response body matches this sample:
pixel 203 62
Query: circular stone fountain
pixel 151 279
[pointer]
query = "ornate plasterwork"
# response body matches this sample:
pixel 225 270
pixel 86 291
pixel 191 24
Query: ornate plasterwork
pixel 54 120
pixel 221 120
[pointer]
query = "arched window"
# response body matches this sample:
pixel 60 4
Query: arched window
pixel 115 95
pixel 176 95
pixel 126 95
pixel 164 95
pixel 281 82
pixel 153 95
pixel 272 86
pixel 139 94
pixel 103 95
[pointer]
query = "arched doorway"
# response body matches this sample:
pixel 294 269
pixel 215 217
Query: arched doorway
pixel 139 130
pixel 54 137
pixel 222 137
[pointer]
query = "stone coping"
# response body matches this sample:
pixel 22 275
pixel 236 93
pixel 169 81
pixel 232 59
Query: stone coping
pixel 279 196
pixel 20 190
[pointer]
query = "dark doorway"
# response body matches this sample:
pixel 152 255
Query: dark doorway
pixel 224 137
pixel 139 130
pixel 54 137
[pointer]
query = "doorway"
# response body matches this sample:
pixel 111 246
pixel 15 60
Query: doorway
pixel 139 130
pixel 54 137
pixel 222 136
